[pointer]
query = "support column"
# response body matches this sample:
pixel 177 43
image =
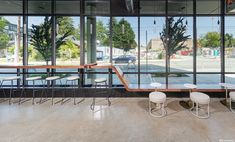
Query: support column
pixel 91 44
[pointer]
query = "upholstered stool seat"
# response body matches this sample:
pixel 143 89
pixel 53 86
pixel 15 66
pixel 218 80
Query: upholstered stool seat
pixel 72 78
pixel 199 97
pixel 157 97
pixel 100 80
pixel 11 78
pixel 52 78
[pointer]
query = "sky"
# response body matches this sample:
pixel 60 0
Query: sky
pixel 204 24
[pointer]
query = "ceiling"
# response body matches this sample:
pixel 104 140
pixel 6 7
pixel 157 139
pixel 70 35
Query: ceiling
pixel 118 7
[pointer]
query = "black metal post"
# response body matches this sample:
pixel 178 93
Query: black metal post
pixel 138 43
pixel 194 43
pixel 222 43
pixel 25 40
pixel 111 45
pixel 167 27
pixel 82 43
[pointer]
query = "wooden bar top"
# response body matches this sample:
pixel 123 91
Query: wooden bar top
pixel 58 66
pixel 121 76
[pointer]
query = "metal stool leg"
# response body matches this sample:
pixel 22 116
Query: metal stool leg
pixel 65 91
pixel 11 90
pixel 33 92
pixel 4 93
pixel 43 89
pixel 106 86
pixel 74 96
pixel 21 94
pixel 52 93
pixel 93 101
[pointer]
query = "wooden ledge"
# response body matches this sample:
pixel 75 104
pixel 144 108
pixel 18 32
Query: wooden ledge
pixel 119 73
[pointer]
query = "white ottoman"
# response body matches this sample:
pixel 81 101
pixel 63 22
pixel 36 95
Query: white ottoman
pixel 232 98
pixel 159 99
pixel 200 99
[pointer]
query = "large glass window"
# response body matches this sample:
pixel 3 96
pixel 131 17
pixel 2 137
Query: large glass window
pixel 67 40
pixel 152 52
pixel 11 48
pixel 229 44
pixel 229 49
pixel 208 49
pixel 40 41
pixel 125 43
pixel 180 44
pixel 96 35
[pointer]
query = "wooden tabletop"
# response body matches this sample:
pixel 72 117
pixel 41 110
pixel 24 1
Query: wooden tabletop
pixel 119 73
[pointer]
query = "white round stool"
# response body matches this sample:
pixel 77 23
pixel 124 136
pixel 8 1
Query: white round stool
pixel 232 98
pixel 200 99
pixel 159 98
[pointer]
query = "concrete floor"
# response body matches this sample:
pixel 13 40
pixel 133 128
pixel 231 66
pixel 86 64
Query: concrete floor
pixel 126 120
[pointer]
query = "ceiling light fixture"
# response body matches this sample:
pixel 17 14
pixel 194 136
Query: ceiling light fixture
pixel 186 11
pixel 218 22
pixel 154 21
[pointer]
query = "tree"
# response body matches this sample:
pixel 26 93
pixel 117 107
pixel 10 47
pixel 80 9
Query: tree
pixel 211 40
pixel 229 40
pixel 102 33
pixel 18 36
pixel 41 36
pixel 123 35
pixel 4 37
pixel 173 36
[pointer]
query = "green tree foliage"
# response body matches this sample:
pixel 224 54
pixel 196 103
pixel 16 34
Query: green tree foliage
pixel 68 51
pixel 211 40
pixel 229 40
pixel 41 35
pixel 4 37
pixel 102 33
pixel 173 36
pixel 123 35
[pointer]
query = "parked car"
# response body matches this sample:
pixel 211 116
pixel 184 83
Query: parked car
pixel 124 59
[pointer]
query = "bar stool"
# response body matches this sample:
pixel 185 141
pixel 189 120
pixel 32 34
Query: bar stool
pixel 11 80
pixel 33 79
pixel 48 80
pixel 72 80
pixel 188 103
pixel 232 99
pixel 159 99
pixel 100 83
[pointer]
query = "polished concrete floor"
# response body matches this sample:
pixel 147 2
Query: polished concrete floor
pixel 126 120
